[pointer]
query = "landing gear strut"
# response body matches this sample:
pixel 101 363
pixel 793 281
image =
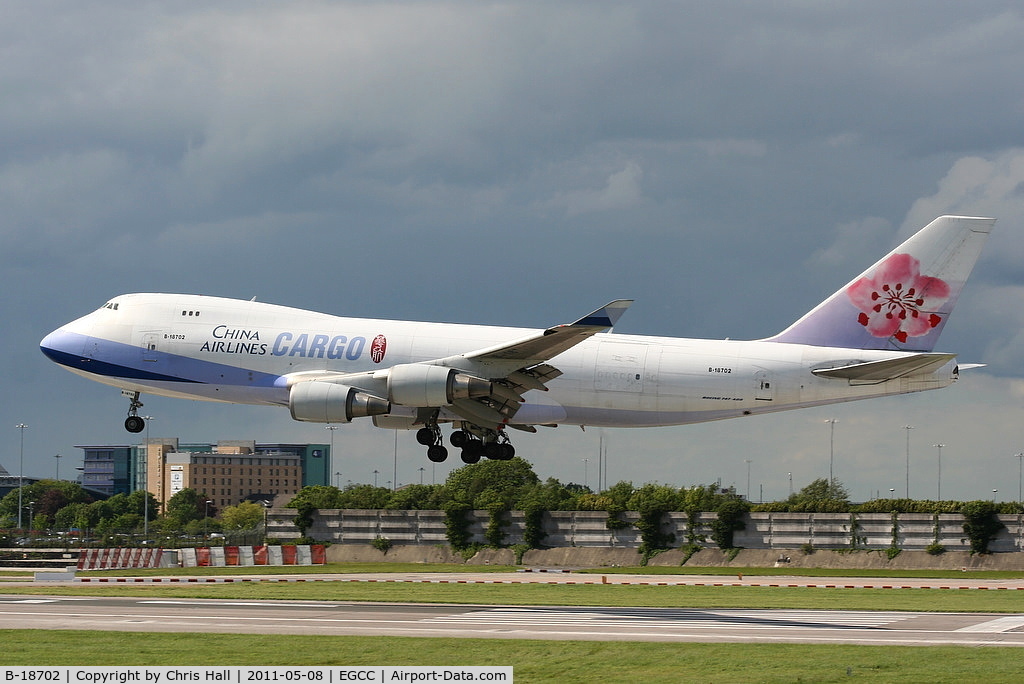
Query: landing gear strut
pixel 134 423
pixel 473 441
pixel 430 437
pixel 493 445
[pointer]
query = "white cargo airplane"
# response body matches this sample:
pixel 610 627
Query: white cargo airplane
pixel 872 338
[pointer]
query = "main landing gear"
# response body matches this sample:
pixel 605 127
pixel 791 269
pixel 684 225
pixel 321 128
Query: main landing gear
pixel 492 445
pixel 134 423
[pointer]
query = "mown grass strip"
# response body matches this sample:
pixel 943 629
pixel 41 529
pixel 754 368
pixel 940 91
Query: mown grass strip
pixel 533 661
pixel 391 568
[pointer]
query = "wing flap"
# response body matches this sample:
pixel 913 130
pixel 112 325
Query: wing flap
pixel 886 369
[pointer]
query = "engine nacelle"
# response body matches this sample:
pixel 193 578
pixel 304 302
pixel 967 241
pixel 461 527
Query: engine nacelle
pixel 416 384
pixel 328 402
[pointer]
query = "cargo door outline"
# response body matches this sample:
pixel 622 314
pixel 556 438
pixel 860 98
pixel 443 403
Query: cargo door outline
pixel 620 367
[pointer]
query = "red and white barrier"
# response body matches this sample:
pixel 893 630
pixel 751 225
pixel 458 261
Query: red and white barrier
pixel 115 559
pixel 240 556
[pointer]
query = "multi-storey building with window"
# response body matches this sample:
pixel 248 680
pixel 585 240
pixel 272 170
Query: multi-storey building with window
pixel 227 472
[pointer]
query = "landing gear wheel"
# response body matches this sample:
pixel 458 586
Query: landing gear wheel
pixel 425 436
pixel 437 453
pixel 460 438
pixel 508 452
pixel 472 452
pixel 492 450
pixel 134 424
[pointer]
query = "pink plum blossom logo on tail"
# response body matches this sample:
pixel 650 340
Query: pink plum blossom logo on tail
pixel 896 300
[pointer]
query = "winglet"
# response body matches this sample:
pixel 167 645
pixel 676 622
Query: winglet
pixel 605 317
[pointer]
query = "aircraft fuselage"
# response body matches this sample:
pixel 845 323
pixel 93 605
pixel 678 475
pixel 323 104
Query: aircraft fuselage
pixel 217 349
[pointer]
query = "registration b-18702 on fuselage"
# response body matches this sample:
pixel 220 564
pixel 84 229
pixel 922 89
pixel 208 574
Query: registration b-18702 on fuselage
pixel 874 337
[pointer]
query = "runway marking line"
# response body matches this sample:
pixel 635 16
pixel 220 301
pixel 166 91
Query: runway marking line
pixel 195 580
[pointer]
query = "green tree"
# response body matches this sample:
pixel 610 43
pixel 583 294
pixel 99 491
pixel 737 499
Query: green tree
pixel 820 496
pixel 246 515
pixel 652 502
pixel 139 500
pixel 303 519
pixel 186 506
pixel 729 520
pixel 318 497
pixel 417 498
pixel 364 496
pixel 48 496
pixel 619 494
pixel 501 480
pixel 72 516
pixel 551 495
pixel 980 524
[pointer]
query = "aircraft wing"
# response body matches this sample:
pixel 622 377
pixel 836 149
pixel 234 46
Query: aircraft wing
pixel 511 369
pixel 870 372
pixel 554 340
pixel 519 366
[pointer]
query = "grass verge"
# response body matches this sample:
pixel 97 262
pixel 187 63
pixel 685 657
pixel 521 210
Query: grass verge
pixel 533 661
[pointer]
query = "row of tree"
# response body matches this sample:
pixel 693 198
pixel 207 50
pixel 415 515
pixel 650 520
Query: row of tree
pixel 488 485
pixel 513 485
pixel 67 506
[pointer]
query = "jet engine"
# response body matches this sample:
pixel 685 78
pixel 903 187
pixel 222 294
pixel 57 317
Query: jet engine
pixel 328 402
pixel 416 384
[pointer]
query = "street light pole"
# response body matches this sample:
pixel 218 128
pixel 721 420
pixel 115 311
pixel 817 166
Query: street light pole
pixel 56 474
pixel 21 469
pixel 206 519
pixel 747 461
pixel 938 489
pixel 908 428
pixel 145 489
pixel 330 456
pixel 831 448
pixel 1020 477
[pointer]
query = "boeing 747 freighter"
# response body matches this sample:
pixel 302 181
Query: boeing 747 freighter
pixel 874 337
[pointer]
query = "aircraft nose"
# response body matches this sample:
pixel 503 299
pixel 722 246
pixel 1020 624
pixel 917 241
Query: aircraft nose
pixel 60 344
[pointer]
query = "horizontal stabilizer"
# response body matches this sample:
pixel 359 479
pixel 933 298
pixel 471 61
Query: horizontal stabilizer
pixel 887 369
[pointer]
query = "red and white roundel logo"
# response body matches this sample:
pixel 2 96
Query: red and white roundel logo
pixel 378 348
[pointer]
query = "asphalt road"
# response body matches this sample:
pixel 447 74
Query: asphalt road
pixel 518 622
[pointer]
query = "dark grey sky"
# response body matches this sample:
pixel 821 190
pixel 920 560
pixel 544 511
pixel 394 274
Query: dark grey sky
pixel 728 165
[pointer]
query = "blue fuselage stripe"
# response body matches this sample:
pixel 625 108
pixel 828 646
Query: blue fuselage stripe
pixel 118 360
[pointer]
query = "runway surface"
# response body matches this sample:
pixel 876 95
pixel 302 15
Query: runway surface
pixel 508 622
pixel 544 577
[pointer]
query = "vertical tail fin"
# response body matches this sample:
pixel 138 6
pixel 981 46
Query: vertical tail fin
pixel 903 301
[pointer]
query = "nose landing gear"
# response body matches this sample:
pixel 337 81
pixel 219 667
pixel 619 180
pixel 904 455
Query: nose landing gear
pixel 134 423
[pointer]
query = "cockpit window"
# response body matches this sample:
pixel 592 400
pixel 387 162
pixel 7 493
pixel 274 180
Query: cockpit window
pixel 110 305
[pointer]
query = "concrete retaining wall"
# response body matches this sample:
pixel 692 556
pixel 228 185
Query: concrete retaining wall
pixel 583 529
